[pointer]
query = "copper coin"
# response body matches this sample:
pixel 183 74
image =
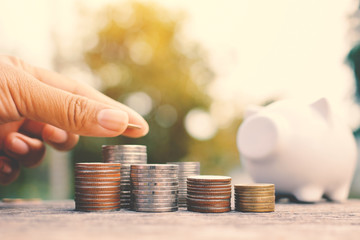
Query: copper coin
pixel 208 186
pixel 209 197
pixel 209 178
pixel 213 193
pixel 255 210
pixel 254 185
pixel 101 204
pixel 255 205
pixel 98 188
pixel 255 199
pixel 96 184
pixel 92 191
pixel 208 210
pixel 93 209
pixel 200 189
pixel 90 200
pixel 195 203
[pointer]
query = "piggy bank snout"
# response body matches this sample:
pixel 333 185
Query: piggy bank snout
pixel 258 137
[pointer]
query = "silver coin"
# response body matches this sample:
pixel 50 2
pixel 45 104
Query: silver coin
pixel 154 166
pixel 155 170
pixel 154 205
pixel 125 147
pixel 171 197
pixel 155 183
pixel 168 180
pixel 172 200
pixel 168 209
pixel 154 188
pixel 154 192
pixel 139 176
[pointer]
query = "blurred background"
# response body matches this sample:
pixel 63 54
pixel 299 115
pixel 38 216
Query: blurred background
pixel 189 67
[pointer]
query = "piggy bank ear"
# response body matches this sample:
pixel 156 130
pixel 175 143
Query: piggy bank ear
pixel 322 106
pixel 252 110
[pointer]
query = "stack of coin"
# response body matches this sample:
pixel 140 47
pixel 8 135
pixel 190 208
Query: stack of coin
pixel 255 197
pixel 209 194
pixel 97 186
pixel 186 169
pixel 126 155
pixel 154 187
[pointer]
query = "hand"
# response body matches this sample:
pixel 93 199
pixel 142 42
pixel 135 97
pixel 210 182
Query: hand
pixel 38 106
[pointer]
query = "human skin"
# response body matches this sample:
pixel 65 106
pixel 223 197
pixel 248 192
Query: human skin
pixel 38 106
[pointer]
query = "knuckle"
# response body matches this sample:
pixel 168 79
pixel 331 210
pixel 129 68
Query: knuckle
pixel 77 112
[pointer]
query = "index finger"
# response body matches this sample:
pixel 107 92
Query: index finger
pixel 56 80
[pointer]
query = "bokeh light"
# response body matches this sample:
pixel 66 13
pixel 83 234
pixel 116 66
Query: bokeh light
pixel 200 125
pixel 140 102
pixel 166 116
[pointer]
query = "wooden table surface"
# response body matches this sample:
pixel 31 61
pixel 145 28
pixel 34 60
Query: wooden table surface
pixel 57 220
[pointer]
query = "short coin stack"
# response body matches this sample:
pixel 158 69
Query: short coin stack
pixel 154 187
pixel 97 186
pixel 126 155
pixel 209 194
pixel 255 197
pixel 186 169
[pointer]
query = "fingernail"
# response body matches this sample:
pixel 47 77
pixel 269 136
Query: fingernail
pixel 18 146
pixel 58 136
pixel 113 120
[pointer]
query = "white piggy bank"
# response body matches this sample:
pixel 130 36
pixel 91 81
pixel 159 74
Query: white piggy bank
pixel 305 150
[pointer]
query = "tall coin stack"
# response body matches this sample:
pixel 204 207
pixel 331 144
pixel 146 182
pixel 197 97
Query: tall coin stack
pixel 154 187
pixel 255 197
pixel 97 186
pixel 186 169
pixel 209 194
pixel 126 155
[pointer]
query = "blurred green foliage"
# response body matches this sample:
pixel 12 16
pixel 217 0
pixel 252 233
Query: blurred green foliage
pixel 145 52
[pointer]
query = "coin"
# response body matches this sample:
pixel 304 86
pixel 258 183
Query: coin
pixel 130 125
pixel 155 183
pixel 209 209
pixel 255 210
pixel 195 193
pixel 154 192
pixel 253 194
pixel 153 175
pixel 160 209
pixel 167 180
pixel 160 200
pixel 200 189
pixel 155 205
pixel 173 188
pixel 256 199
pixel 209 178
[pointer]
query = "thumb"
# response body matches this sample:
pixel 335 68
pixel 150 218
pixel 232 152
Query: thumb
pixel 73 113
